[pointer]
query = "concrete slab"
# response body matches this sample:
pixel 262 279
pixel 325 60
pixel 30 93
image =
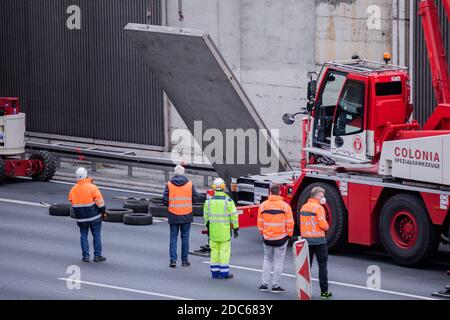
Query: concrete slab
pixel 203 88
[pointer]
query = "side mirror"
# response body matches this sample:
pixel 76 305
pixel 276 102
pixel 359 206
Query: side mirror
pixel 288 118
pixel 312 88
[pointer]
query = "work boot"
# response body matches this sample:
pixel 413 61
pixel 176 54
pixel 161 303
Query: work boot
pixel 186 264
pixel 263 287
pixel 85 259
pixel 326 295
pixel 99 259
pixel 228 276
pixel 172 264
pixel 278 289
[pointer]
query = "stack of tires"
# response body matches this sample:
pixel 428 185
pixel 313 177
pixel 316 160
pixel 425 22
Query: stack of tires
pixel 158 209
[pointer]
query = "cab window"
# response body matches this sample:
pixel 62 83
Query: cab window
pixel 350 109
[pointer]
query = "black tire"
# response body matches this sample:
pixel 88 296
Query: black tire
pixel 138 219
pixel 427 239
pixel 156 200
pixel 337 235
pixel 137 205
pixel 116 215
pixel 60 209
pixel 158 210
pixel 201 198
pixel 72 213
pixel 197 209
pixel 49 165
pixel 2 170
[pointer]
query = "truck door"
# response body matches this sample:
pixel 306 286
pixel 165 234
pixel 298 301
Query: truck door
pixel 325 108
pixel 348 133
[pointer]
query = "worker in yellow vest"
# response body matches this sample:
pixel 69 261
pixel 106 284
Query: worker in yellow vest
pixel 179 194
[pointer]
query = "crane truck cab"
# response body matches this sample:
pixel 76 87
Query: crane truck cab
pixel 354 104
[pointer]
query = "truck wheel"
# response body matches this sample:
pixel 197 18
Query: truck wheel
pixel 2 170
pixel 335 211
pixel 138 219
pixel 137 206
pixel 49 165
pixel 406 231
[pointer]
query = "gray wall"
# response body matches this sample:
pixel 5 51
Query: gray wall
pixel 87 83
pixel 423 93
pixel 272 44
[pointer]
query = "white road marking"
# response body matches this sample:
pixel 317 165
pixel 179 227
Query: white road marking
pixel 149 293
pixel 27 203
pixel 342 284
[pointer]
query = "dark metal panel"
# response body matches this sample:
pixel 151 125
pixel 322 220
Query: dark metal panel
pixel 424 100
pixel 87 83
pixel 199 83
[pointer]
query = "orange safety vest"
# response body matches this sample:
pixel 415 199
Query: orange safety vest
pixel 87 201
pixel 275 221
pixel 180 199
pixel 313 222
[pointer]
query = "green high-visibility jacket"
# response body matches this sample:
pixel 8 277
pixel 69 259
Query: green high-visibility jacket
pixel 220 212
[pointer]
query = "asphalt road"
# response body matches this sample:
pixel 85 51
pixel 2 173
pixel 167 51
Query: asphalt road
pixel 37 249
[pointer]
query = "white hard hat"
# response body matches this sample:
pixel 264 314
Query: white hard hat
pixel 179 170
pixel 218 184
pixel 81 173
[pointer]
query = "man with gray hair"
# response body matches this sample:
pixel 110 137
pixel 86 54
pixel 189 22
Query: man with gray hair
pixel 313 224
pixel 179 195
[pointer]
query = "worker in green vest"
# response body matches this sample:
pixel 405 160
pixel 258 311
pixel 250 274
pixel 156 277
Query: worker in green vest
pixel 219 213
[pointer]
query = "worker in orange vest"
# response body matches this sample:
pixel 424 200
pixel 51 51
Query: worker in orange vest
pixel 313 224
pixel 276 224
pixel 179 194
pixel 89 207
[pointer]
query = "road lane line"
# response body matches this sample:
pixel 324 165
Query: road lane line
pixel 342 284
pixel 149 293
pixel 27 203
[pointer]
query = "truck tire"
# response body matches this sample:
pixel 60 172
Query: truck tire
pixel 406 231
pixel 49 165
pixel 156 200
pixel 116 215
pixel 60 209
pixel 337 235
pixel 138 219
pixel 158 210
pixel 2 170
pixel 197 209
pixel 138 206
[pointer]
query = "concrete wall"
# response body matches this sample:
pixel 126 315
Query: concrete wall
pixel 272 44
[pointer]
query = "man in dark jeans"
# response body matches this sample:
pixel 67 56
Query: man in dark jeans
pixel 89 206
pixel 313 225
pixel 179 194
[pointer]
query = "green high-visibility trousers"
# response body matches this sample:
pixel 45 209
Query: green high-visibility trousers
pixel 220 258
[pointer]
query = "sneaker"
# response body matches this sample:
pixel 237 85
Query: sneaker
pixel 85 259
pixel 326 295
pixel 278 289
pixel 228 276
pixel 172 264
pixel 99 259
pixel 263 287
pixel 186 264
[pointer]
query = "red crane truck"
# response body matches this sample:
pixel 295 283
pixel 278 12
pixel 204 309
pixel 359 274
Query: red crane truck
pixel 387 179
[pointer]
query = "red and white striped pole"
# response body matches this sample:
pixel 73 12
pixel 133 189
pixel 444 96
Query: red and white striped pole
pixel 302 270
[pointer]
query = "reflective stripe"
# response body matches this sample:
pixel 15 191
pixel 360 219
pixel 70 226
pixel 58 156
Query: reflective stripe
pixel 284 235
pixel 180 198
pixel 219 215
pixel 100 204
pixel 273 211
pixel 83 205
pixel 181 205
pixel 90 219
pixel 219 221
pixel 306 233
pixel 273 224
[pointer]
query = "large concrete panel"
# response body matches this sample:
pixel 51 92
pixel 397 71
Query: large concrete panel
pixel 203 88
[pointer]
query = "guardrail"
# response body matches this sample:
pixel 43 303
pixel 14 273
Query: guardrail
pixel 129 158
